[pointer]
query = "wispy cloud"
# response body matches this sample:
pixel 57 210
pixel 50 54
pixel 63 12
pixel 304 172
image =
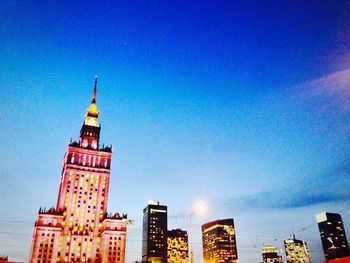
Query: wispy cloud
pixel 330 89
pixel 290 199
pixel 332 186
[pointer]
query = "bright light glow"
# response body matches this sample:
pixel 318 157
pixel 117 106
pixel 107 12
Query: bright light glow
pixel 201 208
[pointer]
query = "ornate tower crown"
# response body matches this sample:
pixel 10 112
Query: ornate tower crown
pixel 91 117
pixel 90 131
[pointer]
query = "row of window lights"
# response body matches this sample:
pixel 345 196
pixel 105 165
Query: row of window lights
pixel 46 251
pixel 86 186
pixel 86 143
pixel 89 160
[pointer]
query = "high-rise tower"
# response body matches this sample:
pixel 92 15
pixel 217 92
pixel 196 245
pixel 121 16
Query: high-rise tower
pixel 79 228
pixel 219 241
pixel 334 242
pixel 177 246
pixel 154 235
pixel 296 251
pixel 271 255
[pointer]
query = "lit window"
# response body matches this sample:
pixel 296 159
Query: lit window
pixel 94 144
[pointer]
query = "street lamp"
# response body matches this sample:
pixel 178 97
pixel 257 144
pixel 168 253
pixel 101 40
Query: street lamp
pixel 200 209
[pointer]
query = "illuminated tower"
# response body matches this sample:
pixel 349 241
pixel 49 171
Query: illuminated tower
pixel 270 254
pixel 296 251
pixel 219 241
pixel 79 228
pixel 334 242
pixel 177 246
pixel 154 235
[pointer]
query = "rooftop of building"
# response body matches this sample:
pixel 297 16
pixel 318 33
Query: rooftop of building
pixel 115 216
pixel 50 211
pixel 227 221
pixel 177 232
pixel 103 148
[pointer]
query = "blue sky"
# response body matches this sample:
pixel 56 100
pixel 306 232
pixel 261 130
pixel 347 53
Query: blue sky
pixel 242 104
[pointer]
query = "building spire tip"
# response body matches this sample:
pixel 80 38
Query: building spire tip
pixel 95 90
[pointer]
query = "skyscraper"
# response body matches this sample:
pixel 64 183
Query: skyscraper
pixel 79 228
pixel 333 238
pixel 296 251
pixel 219 241
pixel 177 246
pixel 270 254
pixel 154 235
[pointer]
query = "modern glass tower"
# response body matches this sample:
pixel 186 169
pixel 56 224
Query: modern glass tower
pixel 333 238
pixel 79 228
pixel 219 241
pixel 154 235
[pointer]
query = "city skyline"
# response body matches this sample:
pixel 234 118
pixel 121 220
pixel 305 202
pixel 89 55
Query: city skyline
pixel 248 103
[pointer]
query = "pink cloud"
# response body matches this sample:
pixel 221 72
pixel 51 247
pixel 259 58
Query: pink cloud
pixel 333 90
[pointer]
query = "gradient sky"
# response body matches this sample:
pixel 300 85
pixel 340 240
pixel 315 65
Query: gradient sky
pixel 243 104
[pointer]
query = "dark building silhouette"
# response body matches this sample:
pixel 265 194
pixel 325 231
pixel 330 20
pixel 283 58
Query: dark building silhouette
pixel 270 254
pixel 177 246
pixel 154 235
pixel 333 238
pixel 219 241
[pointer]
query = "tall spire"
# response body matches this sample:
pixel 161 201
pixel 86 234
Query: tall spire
pixel 95 91
pixel 91 117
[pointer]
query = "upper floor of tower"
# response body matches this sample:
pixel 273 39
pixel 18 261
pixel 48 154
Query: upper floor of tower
pixel 90 131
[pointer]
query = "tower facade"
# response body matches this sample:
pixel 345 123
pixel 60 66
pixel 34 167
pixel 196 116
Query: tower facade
pixel 79 228
pixel 177 246
pixel 271 255
pixel 333 238
pixel 219 241
pixel 296 251
pixel 154 234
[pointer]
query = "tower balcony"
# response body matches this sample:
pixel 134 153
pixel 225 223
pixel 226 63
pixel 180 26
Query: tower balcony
pixel 103 148
pixel 50 218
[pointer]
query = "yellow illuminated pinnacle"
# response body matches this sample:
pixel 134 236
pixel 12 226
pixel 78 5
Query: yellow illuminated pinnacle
pixel 92 109
pixel 91 117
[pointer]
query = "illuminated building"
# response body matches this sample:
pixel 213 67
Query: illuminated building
pixel 219 241
pixel 296 251
pixel 79 228
pixel 154 235
pixel 333 238
pixel 177 246
pixel 270 254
